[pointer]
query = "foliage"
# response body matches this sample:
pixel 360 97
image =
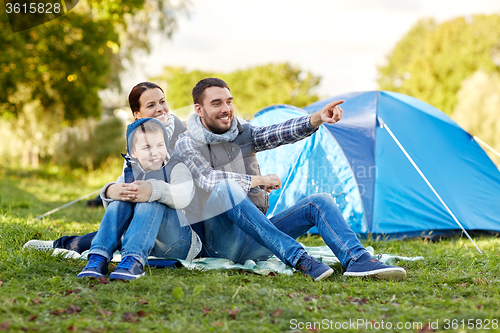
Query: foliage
pixel 51 75
pixel 90 144
pixel 432 60
pixel 410 47
pixel 253 88
pixel 478 109
pixel 40 292
pixel 65 62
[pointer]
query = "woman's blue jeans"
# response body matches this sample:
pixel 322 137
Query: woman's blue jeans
pixel 237 230
pixel 149 227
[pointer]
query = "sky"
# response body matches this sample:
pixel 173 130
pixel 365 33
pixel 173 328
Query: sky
pixel 343 41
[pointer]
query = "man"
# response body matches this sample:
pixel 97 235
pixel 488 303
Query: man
pixel 233 195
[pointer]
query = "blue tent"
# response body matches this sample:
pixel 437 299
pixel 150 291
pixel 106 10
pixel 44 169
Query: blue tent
pixel 395 166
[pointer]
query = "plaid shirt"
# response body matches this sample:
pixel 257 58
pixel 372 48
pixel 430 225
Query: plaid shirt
pixel 264 137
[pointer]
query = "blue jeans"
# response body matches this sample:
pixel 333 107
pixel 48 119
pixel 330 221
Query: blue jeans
pixel 239 231
pixel 149 228
pixel 79 244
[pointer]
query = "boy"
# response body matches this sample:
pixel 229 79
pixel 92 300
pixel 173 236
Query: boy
pixel 138 216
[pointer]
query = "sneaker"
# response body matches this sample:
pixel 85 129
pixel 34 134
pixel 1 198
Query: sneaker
pixel 312 267
pixel 128 269
pixel 368 266
pixel 39 245
pixel 97 266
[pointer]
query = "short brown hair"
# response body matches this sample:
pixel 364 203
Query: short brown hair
pixel 208 82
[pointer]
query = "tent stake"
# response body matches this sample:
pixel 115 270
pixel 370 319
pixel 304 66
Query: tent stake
pixel 66 205
pixel 384 125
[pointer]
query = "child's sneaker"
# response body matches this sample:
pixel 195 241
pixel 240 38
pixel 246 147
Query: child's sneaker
pixel 128 269
pixel 97 266
pixel 312 267
pixel 367 266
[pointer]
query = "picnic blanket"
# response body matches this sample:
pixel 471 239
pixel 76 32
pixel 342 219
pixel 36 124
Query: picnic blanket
pixel 273 264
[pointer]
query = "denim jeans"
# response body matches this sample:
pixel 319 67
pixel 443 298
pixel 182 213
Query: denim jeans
pixel 149 228
pixel 240 231
pixel 79 244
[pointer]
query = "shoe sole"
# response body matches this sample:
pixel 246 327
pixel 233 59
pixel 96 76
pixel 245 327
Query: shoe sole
pixel 122 276
pixel 89 274
pixel 324 275
pixel 39 248
pixel 394 274
pixel 39 245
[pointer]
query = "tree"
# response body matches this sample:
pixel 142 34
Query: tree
pixel 478 109
pixel 253 88
pixel 67 61
pixel 51 75
pixel 431 61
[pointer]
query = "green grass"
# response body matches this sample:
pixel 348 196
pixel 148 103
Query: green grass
pixel 40 292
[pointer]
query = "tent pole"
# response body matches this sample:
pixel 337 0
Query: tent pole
pixel 384 125
pixel 66 205
pixel 486 145
pixel 287 179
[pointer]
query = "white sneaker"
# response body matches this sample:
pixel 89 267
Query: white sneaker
pixel 39 245
pixel 66 253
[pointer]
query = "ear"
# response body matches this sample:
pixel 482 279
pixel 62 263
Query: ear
pixel 137 115
pixel 197 109
pixel 132 153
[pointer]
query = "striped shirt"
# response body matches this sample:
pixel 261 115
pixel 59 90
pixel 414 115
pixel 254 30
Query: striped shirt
pixel 264 138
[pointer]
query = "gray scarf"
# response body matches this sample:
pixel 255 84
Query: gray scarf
pixel 199 133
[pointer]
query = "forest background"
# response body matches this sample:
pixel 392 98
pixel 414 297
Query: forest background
pixel 63 107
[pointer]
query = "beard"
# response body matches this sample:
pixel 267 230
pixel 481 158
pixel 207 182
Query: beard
pixel 214 125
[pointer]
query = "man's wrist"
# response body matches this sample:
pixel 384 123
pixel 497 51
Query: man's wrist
pixel 257 181
pixel 315 119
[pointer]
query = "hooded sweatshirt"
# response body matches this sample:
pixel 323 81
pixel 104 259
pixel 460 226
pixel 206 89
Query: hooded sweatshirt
pixel 172 185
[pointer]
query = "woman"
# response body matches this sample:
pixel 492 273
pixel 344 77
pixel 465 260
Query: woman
pixel 146 100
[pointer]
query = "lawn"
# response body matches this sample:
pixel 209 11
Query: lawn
pixel 454 288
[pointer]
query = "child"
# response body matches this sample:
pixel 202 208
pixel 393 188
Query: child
pixel 137 217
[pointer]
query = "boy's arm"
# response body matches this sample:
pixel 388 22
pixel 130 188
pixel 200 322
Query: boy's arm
pixel 111 191
pixel 178 193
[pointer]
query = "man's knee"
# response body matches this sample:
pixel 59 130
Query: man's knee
pixel 322 199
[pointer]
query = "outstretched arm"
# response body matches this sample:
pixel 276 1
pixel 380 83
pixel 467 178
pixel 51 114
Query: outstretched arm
pixel 330 114
pixel 295 129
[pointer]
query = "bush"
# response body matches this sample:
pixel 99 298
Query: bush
pixel 90 144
